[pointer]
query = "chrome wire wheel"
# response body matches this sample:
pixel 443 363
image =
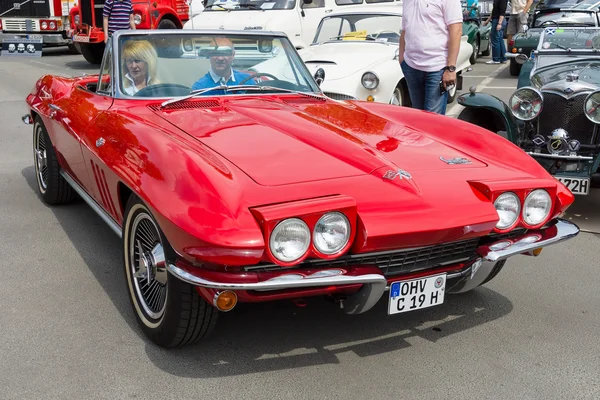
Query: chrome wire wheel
pixel 148 267
pixel 40 159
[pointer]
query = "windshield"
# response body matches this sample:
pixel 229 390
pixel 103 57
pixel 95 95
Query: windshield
pixel 365 27
pixel 236 5
pixel 175 64
pixel 565 18
pixel 559 40
pixel 586 5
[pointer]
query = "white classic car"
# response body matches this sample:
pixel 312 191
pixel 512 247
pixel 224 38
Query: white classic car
pixel 357 50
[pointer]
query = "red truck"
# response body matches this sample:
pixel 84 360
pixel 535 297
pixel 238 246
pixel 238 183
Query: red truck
pixel 37 19
pixel 87 19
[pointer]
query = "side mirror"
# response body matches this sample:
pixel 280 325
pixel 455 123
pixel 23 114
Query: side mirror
pixel 521 59
pixel 320 76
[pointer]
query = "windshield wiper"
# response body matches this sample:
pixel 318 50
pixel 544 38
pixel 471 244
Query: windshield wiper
pixel 234 88
pixel 218 5
pixel 562 47
pixel 249 5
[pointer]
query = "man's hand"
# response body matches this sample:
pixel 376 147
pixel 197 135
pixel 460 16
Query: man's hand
pixel 448 79
pixel 499 26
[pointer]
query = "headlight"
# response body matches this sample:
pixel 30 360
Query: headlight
pixel 290 239
pixel 52 25
pixel 332 233
pixel 137 19
pixel 526 103
pixel 44 25
pixel 592 107
pixel 508 207
pixel 369 80
pixel 537 207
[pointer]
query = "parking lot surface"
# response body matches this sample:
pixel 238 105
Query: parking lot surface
pixel 68 331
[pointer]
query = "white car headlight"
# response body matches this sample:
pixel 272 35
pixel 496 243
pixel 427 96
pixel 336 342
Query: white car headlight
pixel 592 107
pixel 290 240
pixel 369 80
pixel 508 207
pixel 331 233
pixel 137 19
pixel 44 25
pixel 537 207
pixel 526 103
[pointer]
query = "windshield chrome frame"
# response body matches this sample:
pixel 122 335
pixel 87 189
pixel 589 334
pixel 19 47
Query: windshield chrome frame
pixel 558 51
pixel 354 12
pixel 119 94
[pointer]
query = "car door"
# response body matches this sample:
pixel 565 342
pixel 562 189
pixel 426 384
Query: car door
pixel 97 137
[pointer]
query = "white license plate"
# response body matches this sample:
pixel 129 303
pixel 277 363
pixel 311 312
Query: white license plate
pixel 416 294
pixel 81 38
pixel 35 37
pixel 576 185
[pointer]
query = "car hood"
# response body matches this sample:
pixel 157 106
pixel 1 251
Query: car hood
pixel 552 74
pixel 340 60
pixel 279 141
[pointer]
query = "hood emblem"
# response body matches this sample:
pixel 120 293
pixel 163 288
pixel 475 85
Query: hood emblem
pixel 100 142
pixel 391 174
pixel 456 160
pixel 568 90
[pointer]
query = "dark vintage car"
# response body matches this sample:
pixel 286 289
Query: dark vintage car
pixel 478 35
pixel 553 18
pixel 554 115
pixel 231 178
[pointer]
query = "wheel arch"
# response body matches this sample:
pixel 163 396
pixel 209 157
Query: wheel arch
pixel 170 17
pixel 495 109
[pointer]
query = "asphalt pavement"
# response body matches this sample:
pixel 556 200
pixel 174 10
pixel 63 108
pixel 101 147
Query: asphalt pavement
pixel 67 330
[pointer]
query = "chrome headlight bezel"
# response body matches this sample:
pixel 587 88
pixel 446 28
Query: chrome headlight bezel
pixel 274 235
pixel 517 210
pixel 137 19
pixel 369 76
pixel 586 106
pixel 317 233
pixel 526 218
pixel 512 102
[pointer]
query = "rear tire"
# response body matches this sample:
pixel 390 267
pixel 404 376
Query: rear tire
pixel 51 185
pixel 92 53
pixel 169 311
pixel 475 54
pixel 487 51
pixel 73 49
pixel 515 67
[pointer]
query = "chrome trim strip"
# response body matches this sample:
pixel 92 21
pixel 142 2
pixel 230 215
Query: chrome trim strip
pixel 511 55
pixel 544 155
pixel 92 203
pixel 564 230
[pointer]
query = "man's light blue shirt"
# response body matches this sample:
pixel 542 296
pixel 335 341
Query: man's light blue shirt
pixel 211 80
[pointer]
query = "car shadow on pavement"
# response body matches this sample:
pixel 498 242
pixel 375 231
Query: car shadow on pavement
pixel 273 336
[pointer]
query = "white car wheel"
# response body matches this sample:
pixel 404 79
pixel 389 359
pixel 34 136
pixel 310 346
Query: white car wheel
pixel 396 99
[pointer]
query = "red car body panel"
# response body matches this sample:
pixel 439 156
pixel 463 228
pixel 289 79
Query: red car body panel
pixel 209 167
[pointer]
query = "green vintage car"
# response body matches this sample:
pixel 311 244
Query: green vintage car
pixel 554 115
pixel 571 16
pixel 478 35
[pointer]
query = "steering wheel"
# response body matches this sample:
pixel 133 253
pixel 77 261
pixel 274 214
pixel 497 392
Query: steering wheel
pixel 257 75
pixel 164 89
pixel 551 22
pixel 376 35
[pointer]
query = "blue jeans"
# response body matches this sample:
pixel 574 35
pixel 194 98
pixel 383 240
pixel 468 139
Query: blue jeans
pixel 424 89
pixel 498 46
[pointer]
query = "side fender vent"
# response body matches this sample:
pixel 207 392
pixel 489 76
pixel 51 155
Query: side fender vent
pixel 304 100
pixel 185 105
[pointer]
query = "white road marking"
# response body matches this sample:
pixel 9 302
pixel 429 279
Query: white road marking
pixel 456 108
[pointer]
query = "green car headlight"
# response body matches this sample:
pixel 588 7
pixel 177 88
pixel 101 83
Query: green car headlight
pixel 591 107
pixel 526 103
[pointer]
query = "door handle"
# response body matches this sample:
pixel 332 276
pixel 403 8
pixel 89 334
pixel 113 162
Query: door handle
pixel 328 11
pixel 54 109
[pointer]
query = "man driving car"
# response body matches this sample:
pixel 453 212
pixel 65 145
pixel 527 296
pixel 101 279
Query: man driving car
pixel 221 72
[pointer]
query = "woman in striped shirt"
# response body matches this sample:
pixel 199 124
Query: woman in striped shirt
pixel 118 14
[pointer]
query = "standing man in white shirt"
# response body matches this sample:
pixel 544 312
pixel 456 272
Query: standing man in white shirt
pixel 429 45
pixel 518 17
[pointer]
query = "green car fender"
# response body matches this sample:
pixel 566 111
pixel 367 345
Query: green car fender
pixel 524 74
pixel 489 112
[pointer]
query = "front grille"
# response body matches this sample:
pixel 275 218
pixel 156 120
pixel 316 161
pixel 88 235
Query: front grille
pixel 559 112
pixel 397 261
pixel 16 25
pixel 339 96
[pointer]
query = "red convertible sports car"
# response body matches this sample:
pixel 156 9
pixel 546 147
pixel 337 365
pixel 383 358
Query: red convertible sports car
pixel 231 178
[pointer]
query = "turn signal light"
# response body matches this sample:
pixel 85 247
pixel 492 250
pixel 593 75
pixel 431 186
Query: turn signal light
pixel 370 98
pixel 514 50
pixel 225 301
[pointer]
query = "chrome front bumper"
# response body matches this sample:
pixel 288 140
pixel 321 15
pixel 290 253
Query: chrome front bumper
pixel 47 38
pixel 374 283
pixel 511 55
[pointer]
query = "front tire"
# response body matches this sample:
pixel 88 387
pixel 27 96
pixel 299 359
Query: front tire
pixel 51 185
pixel 92 53
pixel 515 67
pixel 169 311
pixel 475 54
